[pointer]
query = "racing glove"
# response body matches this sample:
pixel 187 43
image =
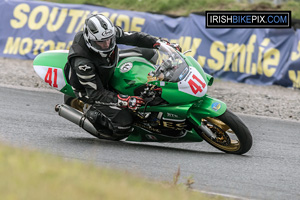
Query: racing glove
pixel 131 102
pixel 174 45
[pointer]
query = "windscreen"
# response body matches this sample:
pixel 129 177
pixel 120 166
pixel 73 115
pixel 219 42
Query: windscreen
pixel 170 66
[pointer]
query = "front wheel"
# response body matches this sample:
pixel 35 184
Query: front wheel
pixel 227 133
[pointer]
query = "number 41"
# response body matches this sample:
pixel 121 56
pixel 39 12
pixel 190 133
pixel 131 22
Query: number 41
pixel 48 77
pixel 194 86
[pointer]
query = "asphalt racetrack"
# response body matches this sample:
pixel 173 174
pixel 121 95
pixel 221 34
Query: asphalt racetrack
pixel 270 170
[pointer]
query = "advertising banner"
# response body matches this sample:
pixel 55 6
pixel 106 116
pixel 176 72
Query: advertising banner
pixel 254 56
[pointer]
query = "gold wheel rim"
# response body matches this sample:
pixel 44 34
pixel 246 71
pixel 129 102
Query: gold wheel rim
pixel 234 145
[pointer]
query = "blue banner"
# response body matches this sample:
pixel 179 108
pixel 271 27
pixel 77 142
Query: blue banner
pixel 254 56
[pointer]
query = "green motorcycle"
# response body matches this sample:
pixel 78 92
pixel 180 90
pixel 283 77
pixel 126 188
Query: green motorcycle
pixel 177 107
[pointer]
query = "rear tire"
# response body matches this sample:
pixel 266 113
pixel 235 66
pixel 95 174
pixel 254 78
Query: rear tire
pixel 227 133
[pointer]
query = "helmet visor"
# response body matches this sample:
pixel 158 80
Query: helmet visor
pixel 104 45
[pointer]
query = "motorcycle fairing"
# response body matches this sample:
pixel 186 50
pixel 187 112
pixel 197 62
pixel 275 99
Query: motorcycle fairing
pixel 205 107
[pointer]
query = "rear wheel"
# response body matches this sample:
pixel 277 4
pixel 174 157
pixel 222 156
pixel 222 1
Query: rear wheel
pixel 227 133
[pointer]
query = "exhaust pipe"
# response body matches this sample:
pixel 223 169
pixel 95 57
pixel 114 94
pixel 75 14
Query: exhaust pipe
pixel 76 117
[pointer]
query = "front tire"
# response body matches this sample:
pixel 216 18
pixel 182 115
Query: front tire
pixel 227 133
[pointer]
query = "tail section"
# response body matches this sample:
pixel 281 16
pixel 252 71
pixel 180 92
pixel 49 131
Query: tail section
pixel 49 66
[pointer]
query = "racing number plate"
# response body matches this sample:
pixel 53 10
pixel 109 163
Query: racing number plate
pixel 193 84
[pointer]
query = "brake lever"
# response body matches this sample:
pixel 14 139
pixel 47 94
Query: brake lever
pixel 187 51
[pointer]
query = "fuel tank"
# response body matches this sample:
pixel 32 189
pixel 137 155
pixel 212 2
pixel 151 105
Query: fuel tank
pixel 131 73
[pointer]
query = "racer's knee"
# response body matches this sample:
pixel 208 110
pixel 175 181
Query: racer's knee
pixel 122 122
pixel 123 118
pixel 118 121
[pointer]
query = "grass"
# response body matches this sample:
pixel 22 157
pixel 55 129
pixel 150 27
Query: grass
pixel 180 8
pixel 33 175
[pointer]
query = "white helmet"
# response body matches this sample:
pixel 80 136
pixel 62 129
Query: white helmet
pixel 99 34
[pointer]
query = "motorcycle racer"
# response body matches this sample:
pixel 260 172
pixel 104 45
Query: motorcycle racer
pixel 92 59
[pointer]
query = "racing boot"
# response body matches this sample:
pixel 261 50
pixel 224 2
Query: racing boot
pixel 96 118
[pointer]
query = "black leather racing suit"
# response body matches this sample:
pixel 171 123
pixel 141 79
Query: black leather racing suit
pixel 89 73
